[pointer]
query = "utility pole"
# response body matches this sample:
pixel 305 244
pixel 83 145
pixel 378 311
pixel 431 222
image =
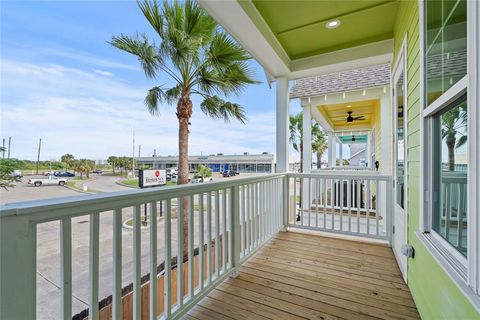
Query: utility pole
pixel 38 156
pixel 3 149
pixel 133 152
pixel 139 148
pixel 9 145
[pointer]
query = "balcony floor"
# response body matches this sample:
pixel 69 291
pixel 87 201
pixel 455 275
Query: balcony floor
pixel 304 276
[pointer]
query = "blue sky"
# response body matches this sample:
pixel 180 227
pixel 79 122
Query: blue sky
pixel 62 82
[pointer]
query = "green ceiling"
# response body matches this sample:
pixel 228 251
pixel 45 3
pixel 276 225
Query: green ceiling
pixel 299 26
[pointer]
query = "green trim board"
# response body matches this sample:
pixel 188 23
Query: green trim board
pixel 298 28
pixel 348 139
pixel 435 294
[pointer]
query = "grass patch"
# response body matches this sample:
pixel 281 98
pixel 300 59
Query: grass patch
pixel 130 182
pixel 72 183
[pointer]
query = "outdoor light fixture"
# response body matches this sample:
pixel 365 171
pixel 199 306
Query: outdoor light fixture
pixel 332 24
pixel 344 95
pixel 325 98
pixel 364 93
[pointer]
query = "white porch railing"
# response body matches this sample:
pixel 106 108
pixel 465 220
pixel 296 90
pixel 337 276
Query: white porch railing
pixel 227 222
pixel 349 203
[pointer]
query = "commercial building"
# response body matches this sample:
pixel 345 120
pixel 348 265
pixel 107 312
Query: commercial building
pixel 244 163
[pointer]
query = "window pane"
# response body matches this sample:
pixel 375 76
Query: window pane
pixel 400 145
pixel 446 44
pixel 450 180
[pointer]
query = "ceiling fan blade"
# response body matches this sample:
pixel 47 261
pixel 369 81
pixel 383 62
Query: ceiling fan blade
pixel 359 118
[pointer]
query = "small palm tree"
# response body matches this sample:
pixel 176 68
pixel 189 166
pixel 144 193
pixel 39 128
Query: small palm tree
pixel 319 141
pixel 67 159
pixel 200 58
pixel 453 123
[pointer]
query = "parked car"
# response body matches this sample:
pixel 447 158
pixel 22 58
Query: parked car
pixel 17 174
pixel 97 171
pixel 64 174
pixel 51 180
pixel 229 173
pixel 50 173
pixel 201 180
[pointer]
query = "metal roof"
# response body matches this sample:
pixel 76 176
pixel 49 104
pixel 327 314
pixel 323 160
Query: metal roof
pixel 363 78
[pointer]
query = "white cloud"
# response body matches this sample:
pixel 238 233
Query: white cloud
pixel 103 73
pixel 92 115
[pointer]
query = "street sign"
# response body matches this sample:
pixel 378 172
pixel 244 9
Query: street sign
pixel 152 178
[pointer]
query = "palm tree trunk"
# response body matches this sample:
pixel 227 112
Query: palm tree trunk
pixel 319 159
pixel 451 153
pixel 184 112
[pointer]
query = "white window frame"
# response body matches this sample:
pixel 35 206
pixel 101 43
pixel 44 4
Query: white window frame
pixel 464 271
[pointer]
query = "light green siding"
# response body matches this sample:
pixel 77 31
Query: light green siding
pixel 436 296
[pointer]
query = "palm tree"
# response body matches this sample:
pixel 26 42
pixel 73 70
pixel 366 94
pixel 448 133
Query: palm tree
pixel 112 160
pixel 67 159
pixel 319 141
pixel 452 123
pixel 200 58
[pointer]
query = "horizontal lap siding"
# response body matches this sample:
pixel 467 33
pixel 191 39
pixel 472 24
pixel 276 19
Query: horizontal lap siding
pixel 436 296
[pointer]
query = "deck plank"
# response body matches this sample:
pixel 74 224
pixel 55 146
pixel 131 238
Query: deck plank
pixel 304 276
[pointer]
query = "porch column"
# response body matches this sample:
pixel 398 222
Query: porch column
pixel 307 139
pixel 282 125
pixel 340 153
pixel 369 150
pixel 331 150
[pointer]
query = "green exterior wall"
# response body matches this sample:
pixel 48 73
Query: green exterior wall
pixel 435 294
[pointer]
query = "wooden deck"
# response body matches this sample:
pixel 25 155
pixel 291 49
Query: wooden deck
pixel 303 276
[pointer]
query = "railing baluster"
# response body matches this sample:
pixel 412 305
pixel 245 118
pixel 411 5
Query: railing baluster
pixel 254 214
pixel 117 265
pixel 201 242
pixel 359 203
pixel 224 230
pixel 333 200
pixel 66 263
pixel 217 233
pixel 167 292
pixel 367 205
pixel 209 237
pixel 324 186
pixel 294 200
pixel 309 200
pixel 349 201
pixel 247 219
pixel 318 194
pixel 137 256
pixel 93 266
pixel 180 253
pixel 191 249
pixel 153 261
pixel 241 205
pixel 340 186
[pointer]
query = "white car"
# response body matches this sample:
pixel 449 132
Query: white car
pixel 201 180
pixel 51 180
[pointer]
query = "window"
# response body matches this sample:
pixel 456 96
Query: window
pixel 450 139
pixel 446 120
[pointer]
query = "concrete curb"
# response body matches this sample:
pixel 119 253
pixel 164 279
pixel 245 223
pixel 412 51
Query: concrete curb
pixel 119 182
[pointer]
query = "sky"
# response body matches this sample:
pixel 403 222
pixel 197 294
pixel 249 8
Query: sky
pixel 62 82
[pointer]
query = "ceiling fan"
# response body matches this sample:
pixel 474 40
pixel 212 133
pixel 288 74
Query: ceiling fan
pixel 351 119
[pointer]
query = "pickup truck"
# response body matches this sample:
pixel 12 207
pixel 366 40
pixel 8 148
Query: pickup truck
pixel 37 182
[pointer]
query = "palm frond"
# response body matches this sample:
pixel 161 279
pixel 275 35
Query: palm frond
pixel 217 108
pixel 198 24
pixel 172 94
pixel 151 11
pixel 140 47
pixel 154 97
pixel 461 141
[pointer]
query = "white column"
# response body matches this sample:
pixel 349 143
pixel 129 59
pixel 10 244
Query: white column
pixel 307 139
pixel 386 124
pixel 369 150
pixel 331 150
pixel 282 125
pixel 340 153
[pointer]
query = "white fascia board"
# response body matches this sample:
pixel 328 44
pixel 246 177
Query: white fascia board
pixel 351 96
pixel 231 16
pixel 367 55
pixel 319 118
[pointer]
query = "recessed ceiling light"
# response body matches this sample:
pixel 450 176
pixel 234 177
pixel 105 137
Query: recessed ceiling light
pixel 349 106
pixel 332 24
